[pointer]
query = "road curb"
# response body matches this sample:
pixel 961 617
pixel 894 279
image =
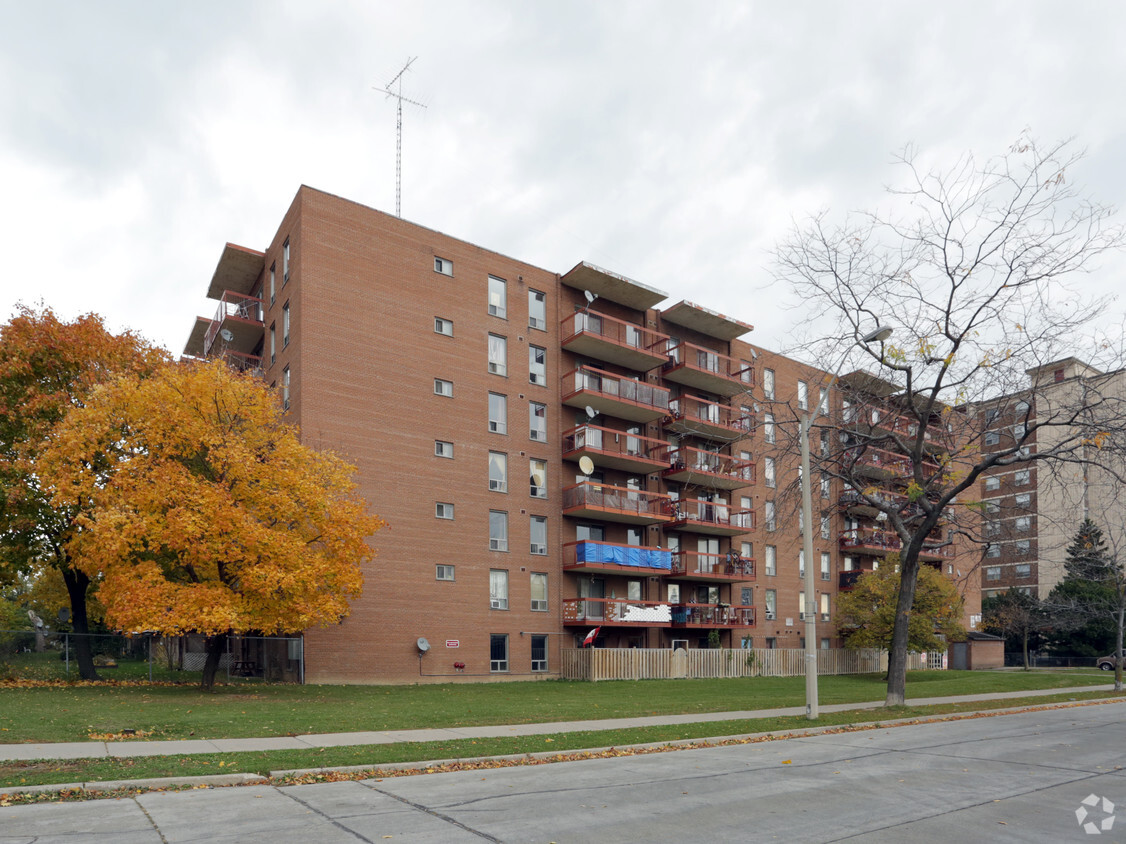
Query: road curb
pixel 144 784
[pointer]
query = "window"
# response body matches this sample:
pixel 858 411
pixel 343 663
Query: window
pixel 803 395
pixel 443 326
pixel 285 325
pixel 825 530
pixel 498 652
pixel 497 297
pixel 768 427
pixel 441 265
pixel 285 388
pixel 498 471
pixel 442 572
pixel 273 344
pixel 537 365
pixel 1022 409
pixel 443 510
pixel 823 402
pixel 1023 570
pixel 537 421
pixel 1022 477
pixel 498 589
pixel 1023 501
pixel 993 573
pixel 498 530
pixel 746 372
pixel 498 413
pixel 993 550
pixel 992 438
pixel 538 535
pixel 443 388
pixel 746 596
pixel 824 606
pixel 498 354
pixel 768 474
pixel 1024 547
pixel 443 449
pixel 539 652
pixel 537 472
pixel 1019 431
pixel 771 604
pixel 825 565
pixel 801 563
pixel 826 485
pixel 537 310
pixel 992 483
pixel 771 561
pixel 273 283
pixel 747 550
pixel 1024 524
pixel 768 384
pixel 285 261
pixel 801 605
pixel 539 592
pixel 769 515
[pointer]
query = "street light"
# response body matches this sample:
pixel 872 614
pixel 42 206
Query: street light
pixel 880 333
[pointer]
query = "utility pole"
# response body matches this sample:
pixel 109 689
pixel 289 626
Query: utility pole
pixel 391 91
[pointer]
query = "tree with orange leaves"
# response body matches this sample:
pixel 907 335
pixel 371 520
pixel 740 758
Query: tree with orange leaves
pixel 204 512
pixel 48 369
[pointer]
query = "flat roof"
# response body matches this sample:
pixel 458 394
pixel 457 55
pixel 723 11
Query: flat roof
pixel 194 346
pixel 866 382
pixel 238 269
pixel 706 321
pixel 616 288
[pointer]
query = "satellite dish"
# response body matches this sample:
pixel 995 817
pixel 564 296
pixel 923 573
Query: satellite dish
pixel 590 297
pixel 227 335
pixel 64 615
pixel 590 412
pixel 423 645
pixel 586 465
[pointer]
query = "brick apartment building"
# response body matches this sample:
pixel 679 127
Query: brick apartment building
pixel 553 453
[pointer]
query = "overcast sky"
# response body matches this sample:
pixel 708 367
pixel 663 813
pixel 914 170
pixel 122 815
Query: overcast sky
pixel 673 143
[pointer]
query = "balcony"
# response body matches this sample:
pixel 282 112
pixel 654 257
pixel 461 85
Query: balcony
pixel 615 504
pixel 880 543
pixel 703 418
pixel 710 517
pixel 614 395
pixel 707 468
pixel 241 317
pixel 613 449
pixel 870 419
pixel 846 580
pixel 586 555
pixel 704 369
pixel 695 565
pixel 607 338
pixel 712 615
pixel 239 362
pixel 878 463
pixel 617 612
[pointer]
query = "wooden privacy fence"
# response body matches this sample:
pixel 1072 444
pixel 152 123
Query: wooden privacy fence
pixel 700 664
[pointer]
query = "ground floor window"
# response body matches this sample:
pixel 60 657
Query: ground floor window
pixel 539 652
pixel 498 652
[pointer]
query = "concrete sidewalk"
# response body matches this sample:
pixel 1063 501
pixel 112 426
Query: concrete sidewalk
pixel 126 749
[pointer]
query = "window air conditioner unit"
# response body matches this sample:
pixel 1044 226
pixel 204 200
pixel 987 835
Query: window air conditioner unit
pixel 540 606
pixel 824 616
pixel 498 545
pixel 539 549
pixel 498 604
pixel 770 616
pixel 496 368
pixel 496 485
pixel 494 426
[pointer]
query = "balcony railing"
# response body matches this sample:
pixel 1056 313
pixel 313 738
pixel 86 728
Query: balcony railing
pixel 708 468
pixel 897 423
pixel 694 415
pixel 882 542
pixel 614 395
pixel 236 312
pixel 709 517
pixel 611 556
pixel 879 462
pixel 728 566
pixel 705 369
pixel 615 449
pixel 616 611
pixel 608 338
pixel 243 363
pixel 847 579
pixel 617 504
pixel 712 615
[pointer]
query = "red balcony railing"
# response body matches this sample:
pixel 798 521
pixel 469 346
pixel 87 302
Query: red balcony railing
pixel 879 462
pixel 694 415
pixel 708 468
pixel 709 516
pixel 707 369
pixel 728 566
pixel 237 308
pixel 712 615
pixel 614 395
pixel 614 448
pixel 243 363
pixel 614 503
pixel 616 611
pixel 613 556
pixel 881 542
pixel 608 338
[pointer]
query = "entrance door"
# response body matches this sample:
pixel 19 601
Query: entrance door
pixel 592 587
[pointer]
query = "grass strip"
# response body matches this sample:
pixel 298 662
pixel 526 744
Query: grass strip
pixel 15 774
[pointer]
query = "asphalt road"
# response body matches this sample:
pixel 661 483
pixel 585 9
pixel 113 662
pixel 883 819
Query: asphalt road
pixel 1006 778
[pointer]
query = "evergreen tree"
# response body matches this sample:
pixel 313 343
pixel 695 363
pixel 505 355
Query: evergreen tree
pixel 1083 605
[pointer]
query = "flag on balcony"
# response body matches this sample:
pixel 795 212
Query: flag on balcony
pixel 590 637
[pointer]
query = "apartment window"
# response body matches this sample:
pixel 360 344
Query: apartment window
pixel 992 573
pixel 273 344
pixel 768 427
pixel 539 592
pixel 443 387
pixel 769 515
pixel 1024 547
pixel 1019 431
pixel 992 483
pixel 992 550
pixel 443 326
pixel 443 449
pixel 747 550
pixel 498 354
pixel 537 421
pixel 801 606
pixel 771 562
pixel 1022 477
pixel 498 530
pixel 1022 408
pixel 443 510
pixel 273 283
pixel 498 471
pixel 537 310
pixel 992 508
pixel 1023 570
pixel 803 395
pixel 498 652
pixel 538 535
pixel 498 589
pixel 285 261
pixel 746 372
pixel 285 388
pixel 498 298
pixel 539 652
pixel 826 485
pixel 825 565
pixel 746 596
pixel 826 533
pixel 442 572
pixel 824 606
pixel 768 472
pixel 992 438
pixel 498 413
pixel 1024 524
pixel 537 473
pixel 285 325
pixel 771 604
pixel 768 384
pixel 537 365
pixel 443 266
pixel 823 402
pixel 1023 501
pixel 801 563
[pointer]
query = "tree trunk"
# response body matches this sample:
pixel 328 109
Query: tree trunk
pixel 1024 647
pixel 897 657
pixel 77 584
pixel 1118 650
pixel 216 647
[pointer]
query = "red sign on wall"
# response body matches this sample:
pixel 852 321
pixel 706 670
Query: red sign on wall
pixel 453 643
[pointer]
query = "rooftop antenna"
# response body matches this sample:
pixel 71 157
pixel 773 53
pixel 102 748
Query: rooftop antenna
pixel 390 91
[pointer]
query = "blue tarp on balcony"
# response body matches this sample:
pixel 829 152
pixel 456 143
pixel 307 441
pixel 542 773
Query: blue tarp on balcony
pixel 594 552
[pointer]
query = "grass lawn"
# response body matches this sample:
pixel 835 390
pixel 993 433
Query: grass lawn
pixel 77 712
